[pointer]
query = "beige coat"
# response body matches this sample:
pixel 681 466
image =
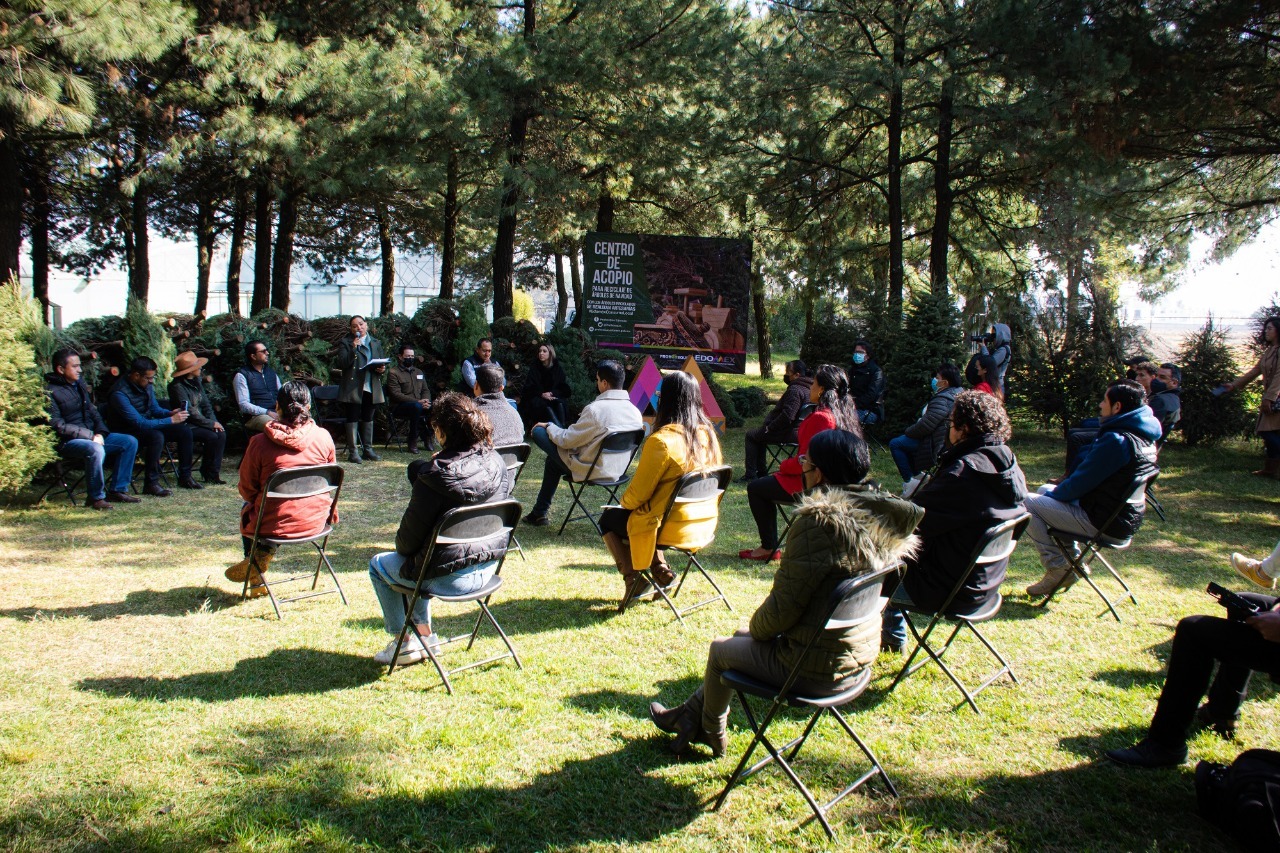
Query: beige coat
pixel 1268 367
pixel 612 411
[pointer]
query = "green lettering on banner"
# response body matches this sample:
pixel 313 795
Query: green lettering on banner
pixel 615 296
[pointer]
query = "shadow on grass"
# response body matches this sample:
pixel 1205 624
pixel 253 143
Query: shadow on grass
pixel 1130 677
pixel 283 672
pixel 146 602
pixel 297 790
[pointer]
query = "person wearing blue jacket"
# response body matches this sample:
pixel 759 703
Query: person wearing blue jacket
pixel 132 409
pixel 1104 477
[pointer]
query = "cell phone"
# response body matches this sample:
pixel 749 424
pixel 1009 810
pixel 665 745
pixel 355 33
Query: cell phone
pixel 1238 608
pixel 184 405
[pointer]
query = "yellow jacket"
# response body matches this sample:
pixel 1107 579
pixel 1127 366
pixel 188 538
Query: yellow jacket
pixel 664 459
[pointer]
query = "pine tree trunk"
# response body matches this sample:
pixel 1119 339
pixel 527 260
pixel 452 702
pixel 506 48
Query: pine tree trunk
pixel 943 197
pixel 575 282
pixel 261 251
pixel 41 213
pixel 238 222
pixel 764 338
pixel 504 247
pixel 604 212
pixel 140 270
pixel 562 294
pixel 282 262
pixel 10 201
pixel 204 254
pixel 894 132
pixel 388 263
pixel 449 235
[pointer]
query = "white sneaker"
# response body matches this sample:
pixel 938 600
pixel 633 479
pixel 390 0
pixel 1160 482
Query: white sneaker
pixel 411 652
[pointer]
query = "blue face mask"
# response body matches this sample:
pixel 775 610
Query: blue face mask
pixel 859 358
pixel 933 385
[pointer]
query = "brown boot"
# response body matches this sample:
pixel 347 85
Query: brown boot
pixel 239 570
pixel 662 574
pixel 668 719
pixel 257 588
pixel 634 583
pixel 688 730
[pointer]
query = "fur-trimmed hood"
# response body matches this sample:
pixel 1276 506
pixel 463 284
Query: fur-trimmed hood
pixel 877 528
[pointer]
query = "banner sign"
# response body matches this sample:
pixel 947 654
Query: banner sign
pixel 669 297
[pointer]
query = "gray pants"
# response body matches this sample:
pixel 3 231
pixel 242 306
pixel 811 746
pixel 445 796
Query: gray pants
pixel 1049 513
pixel 757 659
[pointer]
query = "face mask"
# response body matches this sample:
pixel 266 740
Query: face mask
pixel 406 363
pixel 859 358
pixel 933 385
pixel 1157 386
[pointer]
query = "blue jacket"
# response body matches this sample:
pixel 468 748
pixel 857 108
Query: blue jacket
pixel 1109 452
pixel 134 410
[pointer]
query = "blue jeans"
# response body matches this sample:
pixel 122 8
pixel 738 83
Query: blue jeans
pixel 893 625
pixel 118 444
pixel 866 416
pixel 1271 443
pixel 903 449
pixel 552 471
pixel 384 570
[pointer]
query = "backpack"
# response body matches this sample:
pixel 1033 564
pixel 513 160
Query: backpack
pixel 1243 798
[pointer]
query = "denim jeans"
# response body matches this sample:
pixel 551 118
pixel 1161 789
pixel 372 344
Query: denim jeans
pixel 903 449
pixel 1271 443
pixel 118 444
pixel 384 570
pixel 893 625
pixel 552 471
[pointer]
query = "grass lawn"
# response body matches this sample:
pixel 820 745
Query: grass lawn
pixel 142 706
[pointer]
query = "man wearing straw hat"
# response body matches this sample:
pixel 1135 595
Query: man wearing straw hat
pixel 186 390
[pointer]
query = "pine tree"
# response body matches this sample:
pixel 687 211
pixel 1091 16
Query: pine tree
pixel 1206 361
pixel 930 336
pixel 143 335
pixel 27 447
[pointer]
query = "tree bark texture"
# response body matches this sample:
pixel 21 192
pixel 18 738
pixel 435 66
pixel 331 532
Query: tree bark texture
pixel 604 212
pixel 10 204
pixel 261 251
pixel 575 282
pixel 238 223
pixel 504 247
pixel 282 262
pixel 204 254
pixel 388 304
pixel 894 132
pixel 943 197
pixel 449 234
pixel 562 293
pixel 764 338
pixel 38 227
pixel 140 268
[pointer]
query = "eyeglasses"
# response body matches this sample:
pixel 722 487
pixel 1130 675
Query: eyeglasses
pixel 805 464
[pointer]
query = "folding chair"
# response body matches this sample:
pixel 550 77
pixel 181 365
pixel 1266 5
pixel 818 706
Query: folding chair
pixel 1152 500
pixel 459 526
pixel 996 545
pixel 698 493
pixel 854 602
pixel 786 449
pixel 67 474
pixel 627 442
pixel 288 484
pixel 1091 549
pixel 397 428
pixel 324 398
pixel 515 455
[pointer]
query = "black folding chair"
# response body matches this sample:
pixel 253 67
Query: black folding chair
pixel 514 456
pixel 66 474
pixel 459 526
pixel 1152 500
pixel 289 484
pixel 996 545
pixel 786 449
pixel 325 409
pixel 698 494
pixel 627 442
pixel 1091 549
pixel 854 602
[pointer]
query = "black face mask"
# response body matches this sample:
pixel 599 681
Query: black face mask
pixel 1157 386
pixel 406 363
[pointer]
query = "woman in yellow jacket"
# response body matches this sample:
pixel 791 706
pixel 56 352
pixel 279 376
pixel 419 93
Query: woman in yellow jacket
pixel 683 440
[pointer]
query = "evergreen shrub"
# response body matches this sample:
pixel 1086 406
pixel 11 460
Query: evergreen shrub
pixel 28 445
pixel 1206 361
pixel 143 335
pixel 930 335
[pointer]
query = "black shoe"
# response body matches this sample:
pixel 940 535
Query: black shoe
pixel 1223 728
pixel 888 645
pixel 190 483
pixel 156 490
pixel 122 498
pixel 535 520
pixel 1148 753
pixel 213 481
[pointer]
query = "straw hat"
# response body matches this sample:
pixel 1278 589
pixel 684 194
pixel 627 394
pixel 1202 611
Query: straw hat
pixel 186 362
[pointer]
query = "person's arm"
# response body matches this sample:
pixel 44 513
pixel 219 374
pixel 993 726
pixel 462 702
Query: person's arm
pixel 1100 460
pixel 877 386
pixel 929 421
pixel 468 373
pixel 346 356
pixel 655 460
pixel 60 425
pixel 1246 377
pixel 240 387
pixel 801 571
pixel 585 430
pixel 129 414
pixel 784 414
pixel 1267 624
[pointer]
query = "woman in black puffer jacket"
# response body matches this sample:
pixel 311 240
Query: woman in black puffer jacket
pixel 465 472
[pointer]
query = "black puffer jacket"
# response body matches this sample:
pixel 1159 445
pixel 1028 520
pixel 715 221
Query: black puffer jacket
pixel 931 430
pixel 977 486
pixel 866 386
pixel 451 479
pixel 71 413
pixel 781 421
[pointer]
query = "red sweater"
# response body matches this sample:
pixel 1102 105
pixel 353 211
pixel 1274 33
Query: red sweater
pixel 788 475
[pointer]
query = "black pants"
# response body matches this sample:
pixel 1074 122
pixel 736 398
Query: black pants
pixel 757 440
pixel 151 444
pixel 763 495
pixel 214 445
pixel 413 413
pixel 1198 643
pixel 614 520
pixel 361 412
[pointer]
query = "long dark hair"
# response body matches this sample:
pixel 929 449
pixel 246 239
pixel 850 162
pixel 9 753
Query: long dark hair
pixel 835 397
pixel 461 421
pixel 1262 330
pixel 294 402
pixel 680 403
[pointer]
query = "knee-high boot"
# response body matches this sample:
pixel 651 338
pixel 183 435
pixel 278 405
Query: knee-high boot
pixel 366 441
pixel 353 444
pixel 634 584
